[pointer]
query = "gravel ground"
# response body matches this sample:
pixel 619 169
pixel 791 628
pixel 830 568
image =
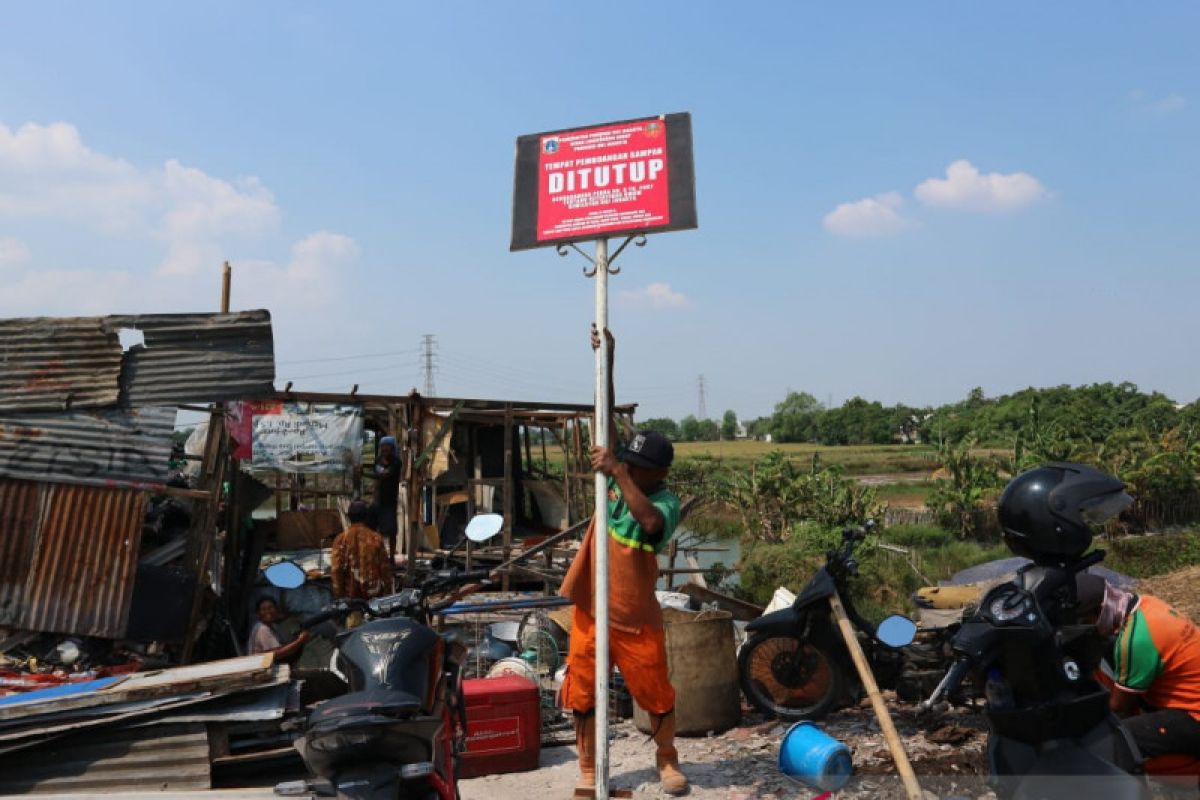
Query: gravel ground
pixel 742 763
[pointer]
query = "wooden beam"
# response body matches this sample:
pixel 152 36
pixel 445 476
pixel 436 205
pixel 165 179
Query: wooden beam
pixel 911 788
pixel 437 437
pixel 508 498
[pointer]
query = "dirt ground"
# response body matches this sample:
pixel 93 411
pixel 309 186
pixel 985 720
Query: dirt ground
pixel 1181 589
pixel 742 764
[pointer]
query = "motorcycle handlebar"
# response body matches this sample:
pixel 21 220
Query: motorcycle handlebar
pixel 338 609
pixel 858 533
pixel 449 577
pixel 472 576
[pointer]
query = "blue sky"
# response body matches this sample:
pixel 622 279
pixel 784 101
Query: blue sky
pixel 900 201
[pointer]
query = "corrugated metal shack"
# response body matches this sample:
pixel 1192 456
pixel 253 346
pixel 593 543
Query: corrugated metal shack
pixel 86 424
pixel 526 460
pixel 87 411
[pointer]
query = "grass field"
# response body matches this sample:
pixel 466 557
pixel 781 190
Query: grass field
pixel 903 471
pixel 855 459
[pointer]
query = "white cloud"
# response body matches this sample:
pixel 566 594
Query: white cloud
pixel 870 217
pixel 309 282
pixel 656 295
pixel 201 205
pixel 1168 104
pixel 12 252
pixel 180 222
pixel 39 149
pixel 319 266
pixel 53 292
pixel 966 188
pixel 48 172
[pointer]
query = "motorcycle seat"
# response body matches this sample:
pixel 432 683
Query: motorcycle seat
pixel 372 702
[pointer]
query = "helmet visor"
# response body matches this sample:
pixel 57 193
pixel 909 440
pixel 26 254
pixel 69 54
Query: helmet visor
pixel 1101 509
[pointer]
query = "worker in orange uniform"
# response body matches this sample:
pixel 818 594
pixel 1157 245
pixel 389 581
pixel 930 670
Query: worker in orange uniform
pixel 1156 681
pixel 642 517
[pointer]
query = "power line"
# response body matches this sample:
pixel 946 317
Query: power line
pixel 347 358
pixel 429 356
pixel 703 410
pixel 358 371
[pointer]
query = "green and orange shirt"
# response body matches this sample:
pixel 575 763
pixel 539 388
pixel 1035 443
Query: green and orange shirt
pixel 632 563
pixel 1157 655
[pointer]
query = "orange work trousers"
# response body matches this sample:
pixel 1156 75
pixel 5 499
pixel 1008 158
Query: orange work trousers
pixel 641 657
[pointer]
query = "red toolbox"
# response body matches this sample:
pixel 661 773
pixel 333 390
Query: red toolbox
pixel 504 726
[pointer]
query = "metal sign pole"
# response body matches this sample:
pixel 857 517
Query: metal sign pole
pixel 600 537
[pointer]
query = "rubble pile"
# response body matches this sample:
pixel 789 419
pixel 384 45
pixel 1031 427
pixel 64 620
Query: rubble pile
pixel 163 730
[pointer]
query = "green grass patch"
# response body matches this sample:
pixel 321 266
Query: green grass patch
pixel 1152 554
pixel 886 580
pixel 855 459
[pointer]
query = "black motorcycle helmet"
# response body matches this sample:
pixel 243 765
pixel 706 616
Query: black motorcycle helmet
pixel 1046 513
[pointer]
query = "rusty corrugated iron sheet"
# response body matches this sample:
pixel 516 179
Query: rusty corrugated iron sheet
pixel 55 363
pixel 59 363
pixel 18 520
pixel 89 448
pixel 198 358
pixel 80 557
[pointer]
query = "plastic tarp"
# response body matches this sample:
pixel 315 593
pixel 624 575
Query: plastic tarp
pixel 1005 568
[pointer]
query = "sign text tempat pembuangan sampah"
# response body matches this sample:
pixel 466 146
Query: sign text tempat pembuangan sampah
pixel 605 180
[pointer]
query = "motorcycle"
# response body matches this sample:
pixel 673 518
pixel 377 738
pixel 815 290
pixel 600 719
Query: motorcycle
pixel 399 731
pixel 795 665
pixel 1051 733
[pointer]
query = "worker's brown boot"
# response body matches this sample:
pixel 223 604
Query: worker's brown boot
pixel 667 757
pixel 585 746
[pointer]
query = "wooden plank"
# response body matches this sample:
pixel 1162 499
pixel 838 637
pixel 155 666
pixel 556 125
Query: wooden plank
pixel 508 498
pixel 911 788
pixel 250 670
pixel 740 609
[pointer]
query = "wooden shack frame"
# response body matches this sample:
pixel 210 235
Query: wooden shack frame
pixel 494 447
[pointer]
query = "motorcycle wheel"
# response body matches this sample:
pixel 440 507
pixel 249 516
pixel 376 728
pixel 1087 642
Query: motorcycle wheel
pixel 789 678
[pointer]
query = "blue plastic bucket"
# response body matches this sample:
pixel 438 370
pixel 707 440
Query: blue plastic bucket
pixel 809 754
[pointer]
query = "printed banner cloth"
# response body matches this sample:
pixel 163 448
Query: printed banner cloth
pixel 304 438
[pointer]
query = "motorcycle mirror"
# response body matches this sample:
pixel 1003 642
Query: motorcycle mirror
pixel 484 526
pixel 896 631
pixel 285 575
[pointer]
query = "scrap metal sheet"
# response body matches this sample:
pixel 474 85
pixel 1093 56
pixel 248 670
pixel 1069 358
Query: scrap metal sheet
pixel 49 364
pixel 78 557
pixel 197 358
pixel 63 363
pixel 89 448
pixel 164 759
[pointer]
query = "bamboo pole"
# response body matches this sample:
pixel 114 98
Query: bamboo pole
pixel 912 789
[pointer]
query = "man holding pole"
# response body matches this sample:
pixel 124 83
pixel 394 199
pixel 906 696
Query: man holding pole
pixel 642 516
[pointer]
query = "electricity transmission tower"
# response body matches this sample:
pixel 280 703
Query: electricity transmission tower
pixel 429 359
pixel 702 409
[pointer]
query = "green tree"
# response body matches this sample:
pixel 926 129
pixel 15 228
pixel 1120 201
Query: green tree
pixel 759 428
pixel 664 425
pixel 708 431
pixel 959 495
pixel 689 429
pixel 796 418
pixel 729 424
pixel 773 495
